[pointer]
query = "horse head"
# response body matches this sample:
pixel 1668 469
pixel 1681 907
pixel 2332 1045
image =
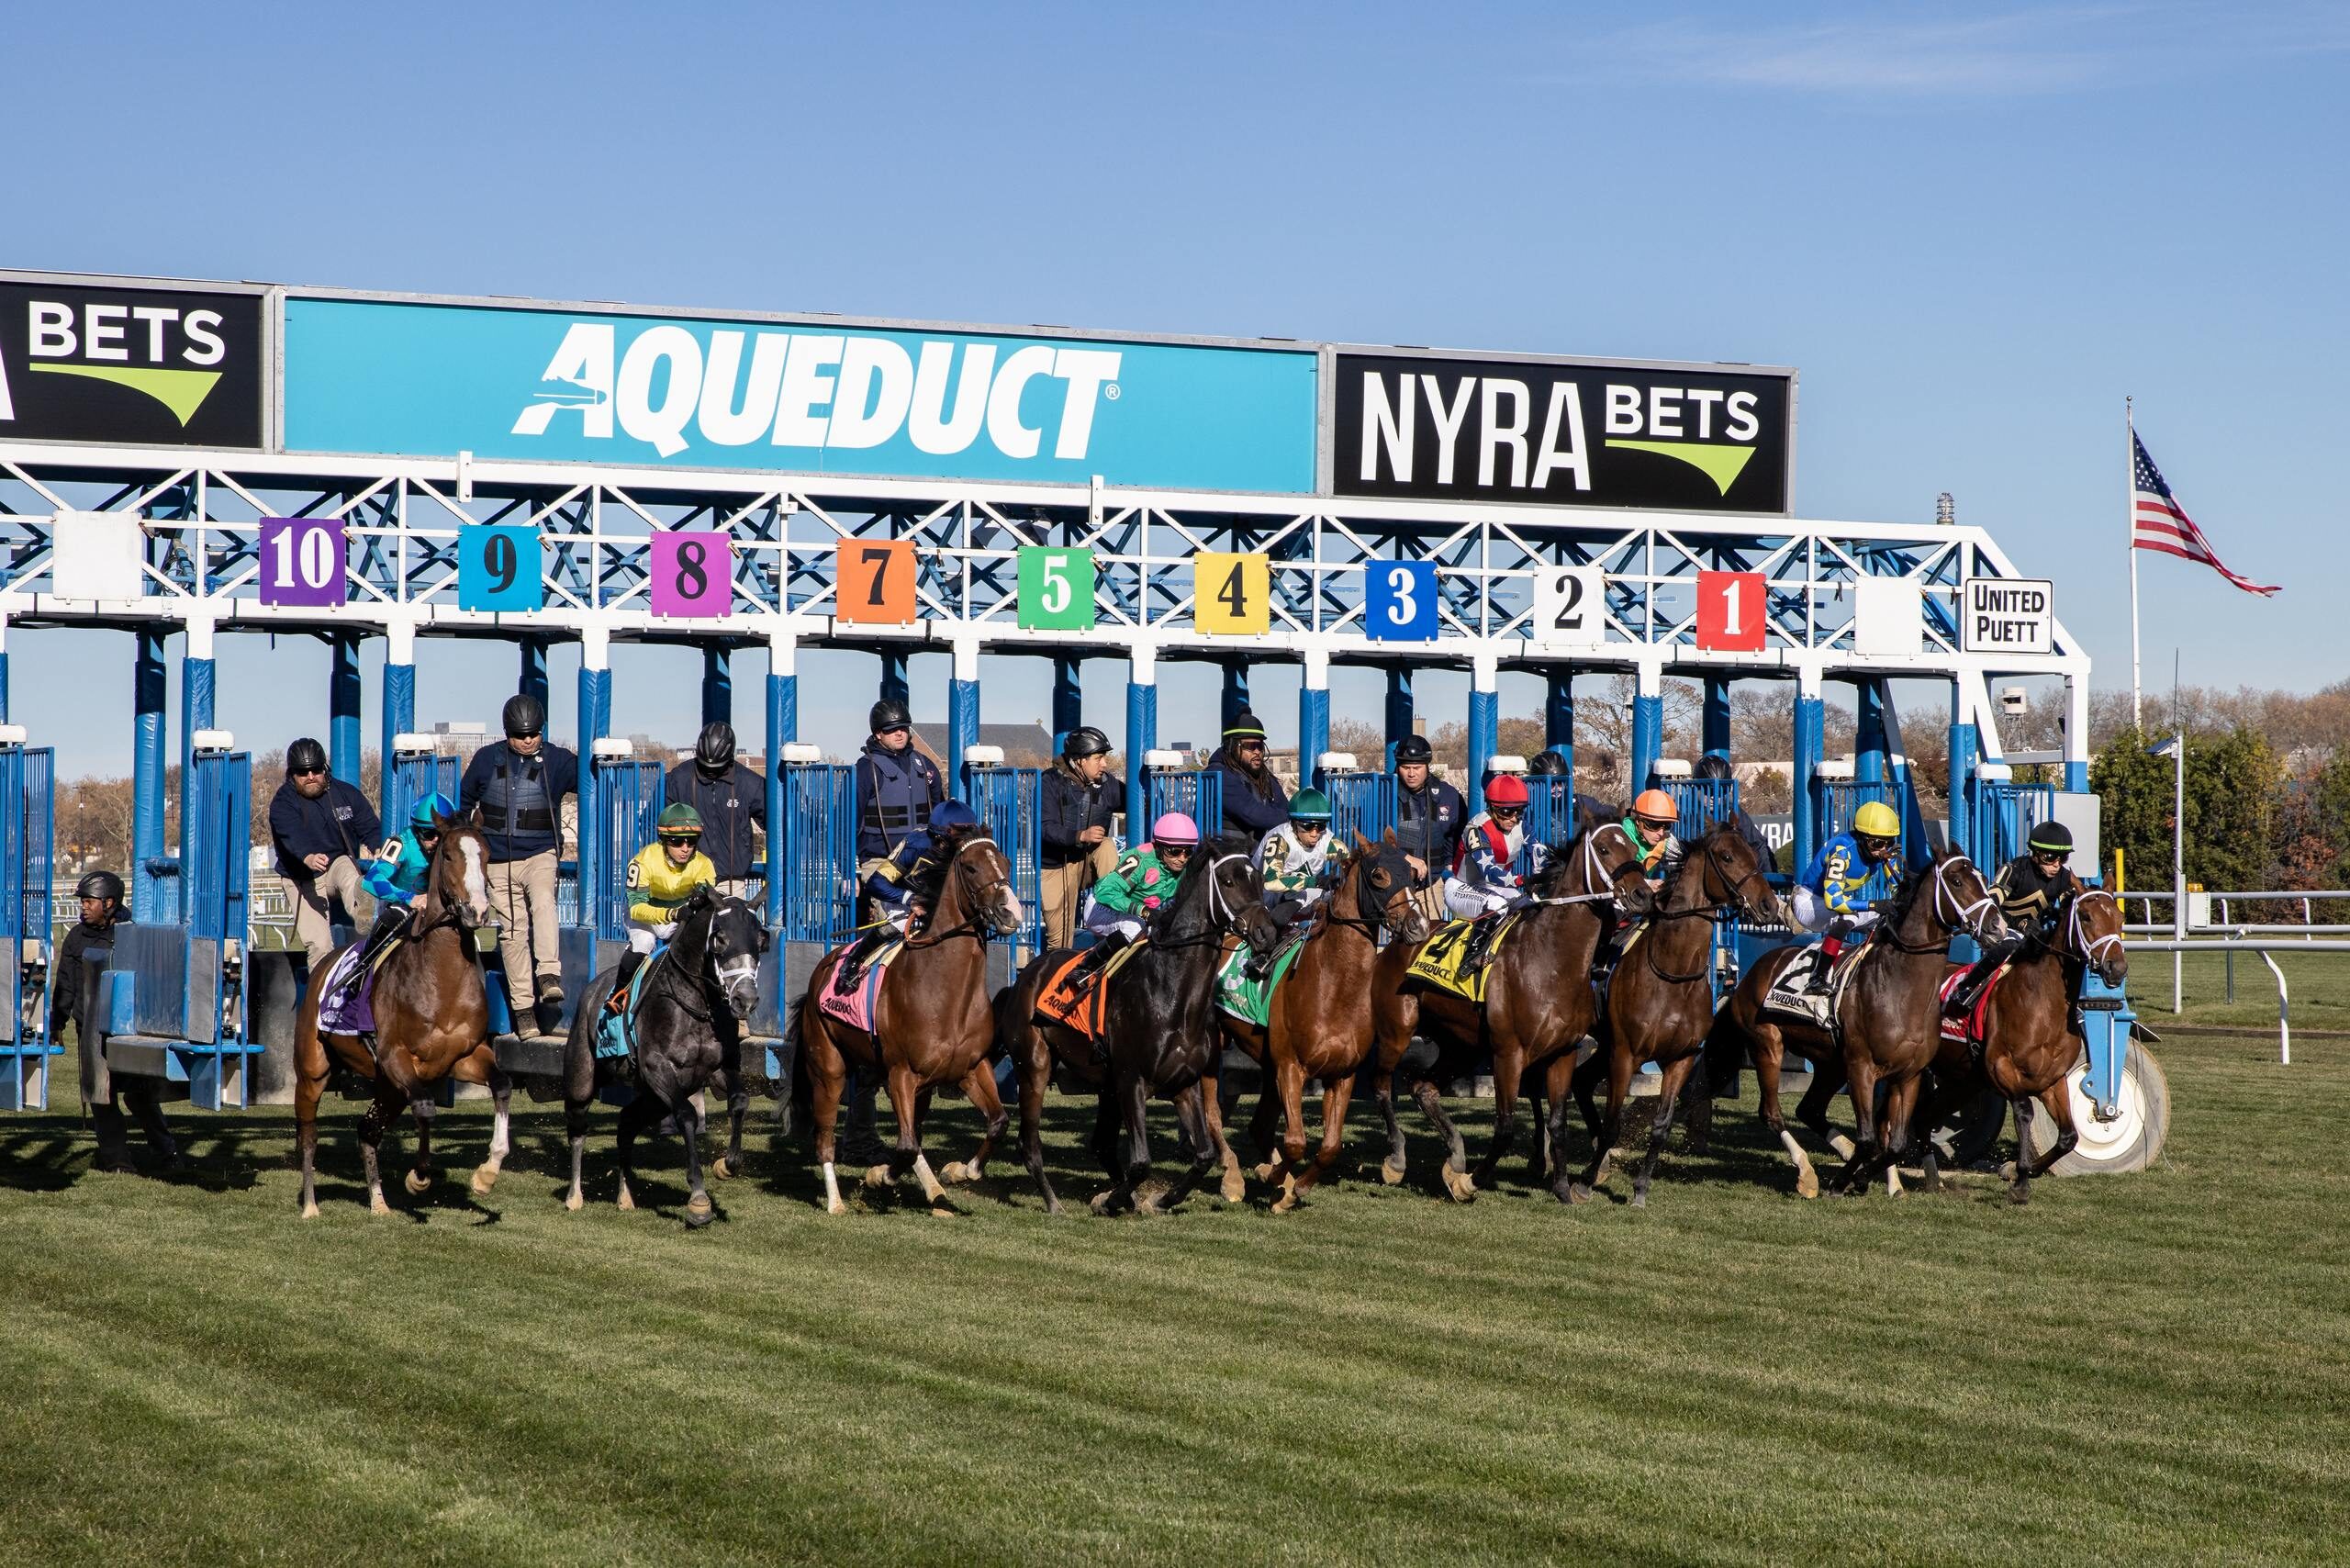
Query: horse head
pixel 2092 933
pixel 459 874
pixel 982 884
pixel 733 938
pixel 1382 889
pixel 1956 897
pixel 1602 860
pixel 1733 876
pixel 1221 879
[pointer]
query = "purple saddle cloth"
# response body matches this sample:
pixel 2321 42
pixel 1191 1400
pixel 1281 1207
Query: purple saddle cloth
pixel 346 1005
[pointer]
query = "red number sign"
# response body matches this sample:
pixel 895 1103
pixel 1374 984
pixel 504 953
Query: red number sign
pixel 1730 611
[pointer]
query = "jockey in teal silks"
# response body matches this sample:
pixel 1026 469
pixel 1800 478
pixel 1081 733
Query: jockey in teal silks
pixel 397 875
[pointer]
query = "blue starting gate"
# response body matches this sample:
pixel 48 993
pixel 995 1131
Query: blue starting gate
pixel 1011 801
pixel 27 823
pixel 1198 793
pixel 1360 802
pixel 2004 815
pixel 1701 802
pixel 414 775
pixel 629 797
pixel 1551 809
pixel 175 990
pixel 818 850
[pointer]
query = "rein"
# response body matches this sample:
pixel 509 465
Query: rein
pixel 1718 910
pixel 971 925
pixel 1225 917
pixel 1964 917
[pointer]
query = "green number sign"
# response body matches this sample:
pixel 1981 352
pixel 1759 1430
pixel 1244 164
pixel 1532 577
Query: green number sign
pixel 1056 589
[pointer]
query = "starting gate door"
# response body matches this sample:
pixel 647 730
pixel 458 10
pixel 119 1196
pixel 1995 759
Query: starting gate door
pixel 416 773
pixel 819 851
pixel 1198 793
pixel 27 819
pixel 2005 814
pixel 1360 802
pixel 1011 801
pixel 1701 802
pixel 629 795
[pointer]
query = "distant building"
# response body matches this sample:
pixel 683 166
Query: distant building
pixel 1024 746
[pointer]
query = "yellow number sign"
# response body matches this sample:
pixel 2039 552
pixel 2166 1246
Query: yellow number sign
pixel 1231 595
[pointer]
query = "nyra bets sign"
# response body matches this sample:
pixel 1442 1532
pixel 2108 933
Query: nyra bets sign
pixel 1684 438
pixel 432 380
pixel 135 367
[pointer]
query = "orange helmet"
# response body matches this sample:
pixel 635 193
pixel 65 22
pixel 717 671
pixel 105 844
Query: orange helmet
pixel 1656 806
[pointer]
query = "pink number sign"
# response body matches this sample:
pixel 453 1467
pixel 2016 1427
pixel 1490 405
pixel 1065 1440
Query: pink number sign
pixel 693 573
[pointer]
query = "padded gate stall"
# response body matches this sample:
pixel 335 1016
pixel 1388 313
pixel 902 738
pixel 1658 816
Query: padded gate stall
pixel 27 919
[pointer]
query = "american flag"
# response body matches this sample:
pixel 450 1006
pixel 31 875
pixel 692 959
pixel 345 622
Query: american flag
pixel 2158 523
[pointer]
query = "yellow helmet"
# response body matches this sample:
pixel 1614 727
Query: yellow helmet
pixel 1877 819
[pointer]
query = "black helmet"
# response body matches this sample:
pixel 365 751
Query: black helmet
pixel 715 752
pixel 1414 748
pixel 525 715
pixel 100 885
pixel 2055 838
pixel 889 714
pixel 1084 741
pixel 1713 765
pixel 1548 764
pixel 306 756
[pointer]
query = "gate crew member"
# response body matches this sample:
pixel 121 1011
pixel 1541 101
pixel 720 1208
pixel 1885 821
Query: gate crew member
pixel 1080 797
pixel 2029 889
pixel 1485 883
pixel 906 887
pixel 397 876
pixel 520 783
pixel 1827 896
pixel 732 801
pixel 1300 861
pixel 1123 902
pixel 322 828
pixel 1584 811
pixel 662 876
pixel 73 999
pixel 1430 816
pixel 897 789
pixel 1254 802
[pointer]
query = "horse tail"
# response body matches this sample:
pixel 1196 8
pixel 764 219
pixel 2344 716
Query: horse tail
pixel 1724 1051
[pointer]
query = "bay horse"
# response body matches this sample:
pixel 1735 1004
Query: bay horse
pixel 695 995
pixel 431 1022
pixel 1538 1004
pixel 1888 1018
pixel 1320 1024
pixel 2029 1040
pixel 1660 1003
pixel 1159 1026
pixel 932 1026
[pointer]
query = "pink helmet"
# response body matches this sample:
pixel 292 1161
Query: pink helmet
pixel 1175 828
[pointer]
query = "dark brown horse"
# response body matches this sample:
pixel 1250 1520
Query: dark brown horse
pixel 1320 1025
pixel 2030 1041
pixel 1661 1000
pixel 1539 1003
pixel 431 1022
pixel 1159 1035
pixel 1887 1015
pixel 932 1026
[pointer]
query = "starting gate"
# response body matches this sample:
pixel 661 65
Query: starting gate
pixel 2005 814
pixel 818 849
pixel 27 821
pixel 417 771
pixel 1551 810
pixel 1168 786
pixel 1841 802
pixel 1011 801
pixel 1701 802
pixel 1360 802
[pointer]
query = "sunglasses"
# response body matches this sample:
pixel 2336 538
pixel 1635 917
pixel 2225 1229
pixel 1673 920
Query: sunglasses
pixel 310 773
pixel 1509 811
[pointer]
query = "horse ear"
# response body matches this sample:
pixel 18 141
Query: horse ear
pixel 1387 836
pixel 1362 845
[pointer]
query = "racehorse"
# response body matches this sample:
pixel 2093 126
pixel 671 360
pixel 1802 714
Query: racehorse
pixel 2028 1041
pixel 711 962
pixel 431 1022
pixel 1320 1025
pixel 1539 1003
pixel 1659 1005
pixel 1159 1028
pixel 1887 1019
pixel 932 1026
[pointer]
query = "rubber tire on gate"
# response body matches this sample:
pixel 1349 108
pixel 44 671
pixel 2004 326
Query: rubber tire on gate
pixel 2133 1143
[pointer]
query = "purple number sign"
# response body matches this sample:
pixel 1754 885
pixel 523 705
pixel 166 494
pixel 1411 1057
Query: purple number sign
pixel 693 573
pixel 302 561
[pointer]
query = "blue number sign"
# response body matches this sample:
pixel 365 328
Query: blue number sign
pixel 497 568
pixel 1399 602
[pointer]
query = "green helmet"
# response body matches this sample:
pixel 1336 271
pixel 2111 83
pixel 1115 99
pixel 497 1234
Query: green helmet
pixel 680 821
pixel 1309 805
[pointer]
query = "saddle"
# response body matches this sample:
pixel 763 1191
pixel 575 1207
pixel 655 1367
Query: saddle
pixel 854 1006
pixel 1082 1006
pixel 1251 1001
pixel 1791 995
pixel 1968 1028
pixel 616 1030
pixel 1439 961
pixel 346 1000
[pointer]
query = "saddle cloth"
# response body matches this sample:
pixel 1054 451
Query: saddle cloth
pixel 855 1007
pixel 1967 1029
pixel 1438 960
pixel 1791 995
pixel 1082 1006
pixel 1251 1001
pixel 347 997
pixel 616 1032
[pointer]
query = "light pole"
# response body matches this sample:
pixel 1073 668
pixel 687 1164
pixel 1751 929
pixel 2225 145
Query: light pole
pixel 2176 749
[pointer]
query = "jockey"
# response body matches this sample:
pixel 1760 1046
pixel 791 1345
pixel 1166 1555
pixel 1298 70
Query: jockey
pixel 1826 892
pixel 905 886
pixel 1649 822
pixel 661 878
pixel 2029 888
pixel 1123 902
pixel 396 878
pixel 1484 881
pixel 1300 861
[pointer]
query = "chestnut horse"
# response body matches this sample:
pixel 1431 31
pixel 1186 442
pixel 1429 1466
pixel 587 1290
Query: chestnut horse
pixel 431 1022
pixel 1159 1034
pixel 932 1024
pixel 2030 1041
pixel 1539 1003
pixel 1320 1025
pixel 1659 1002
pixel 1888 1016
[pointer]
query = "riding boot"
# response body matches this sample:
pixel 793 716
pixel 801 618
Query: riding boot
pixel 630 961
pixel 1105 947
pixel 851 969
pixel 1830 949
pixel 1970 990
pixel 1480 941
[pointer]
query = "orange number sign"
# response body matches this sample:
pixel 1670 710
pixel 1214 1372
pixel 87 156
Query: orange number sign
pixel 874 582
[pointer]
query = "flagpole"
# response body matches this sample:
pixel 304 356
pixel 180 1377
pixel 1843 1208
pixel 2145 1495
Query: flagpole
pixel 2129 515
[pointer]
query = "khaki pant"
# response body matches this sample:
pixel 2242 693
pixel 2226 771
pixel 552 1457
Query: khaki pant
pixel 313 921
pixel 522 892
pixel 735 888
pixel 1062 890
pixel 868 911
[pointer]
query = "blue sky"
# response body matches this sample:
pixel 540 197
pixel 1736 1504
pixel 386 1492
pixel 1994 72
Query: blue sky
pixel 1971 229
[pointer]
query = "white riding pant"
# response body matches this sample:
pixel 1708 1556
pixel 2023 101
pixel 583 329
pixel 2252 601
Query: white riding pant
pixel 1811 912
pixel 1467 900
pixel 1102 920
pixel 642 938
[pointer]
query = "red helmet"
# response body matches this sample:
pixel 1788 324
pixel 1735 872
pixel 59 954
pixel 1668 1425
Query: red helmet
pixel 1507 789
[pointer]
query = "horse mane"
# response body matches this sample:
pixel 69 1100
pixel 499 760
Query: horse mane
pixel 1212 848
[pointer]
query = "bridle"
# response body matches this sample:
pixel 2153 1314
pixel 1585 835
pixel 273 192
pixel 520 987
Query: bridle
pixel 2083 947
pixel 1733 903
pixel 702 976
pixel 975 899
pixel 1369 916
pixel 1223 917
pixel 1967 917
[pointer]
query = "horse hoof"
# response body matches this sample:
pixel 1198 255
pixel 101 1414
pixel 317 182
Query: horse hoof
pixel 1099 1203
pixel 1236 1186
pixel 1391 1172
pixel 1265 1172
pixel 1639 1200
pixel 1460 1185
pixel 1842 1145
pixel 376 1204
pixel 877 1175
pixel 957 1172
pixel 722 1168
pixel 417 1183
pixel 835 1206
pixel 310 1209
pixel 484 1178
pixel 1808 1184
pixel 1577 1193
pixel 627 1200
pixel 2019 1194
pixel 1285 1202
pixel 574 1201
pixel 698 1210
pixel 2008 1171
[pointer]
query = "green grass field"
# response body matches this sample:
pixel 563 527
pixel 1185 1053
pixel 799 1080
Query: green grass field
pixel 2319 984
pixel 2151 1367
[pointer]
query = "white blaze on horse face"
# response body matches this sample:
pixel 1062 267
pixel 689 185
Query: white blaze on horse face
pixel 476 879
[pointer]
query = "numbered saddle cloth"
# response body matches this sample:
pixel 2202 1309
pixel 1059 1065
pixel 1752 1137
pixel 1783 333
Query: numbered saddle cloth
pixel 1080 1004
pixel 346 996
pixel 854 1006
pixel 1440 959
pixel 616 1032
pixel 1791 995
pixel 1251 1001
pixel 1967 1028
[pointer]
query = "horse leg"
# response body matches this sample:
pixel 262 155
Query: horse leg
pixel 1619 1088
pixel 1900 1109
pixel 1137 1109
pixel 1262 1133
pixel 1104 1145
pixel 2059 1103
pixel 309 1082
pixel 1579 1078
pixel 1236 1182
pixel 1383 1093
pixel 827 1075
pixel 388 1102
pixel 418 1181
pixel 1455 1169
pixel 691 1123
pixel 906 1097
pixel 480 1066
pixel 1191 1116
pixel 1335 1093
pixel 1766 1055
pixel 738 1105
pixel 1862 1163
pixel 978 1088
pixel 1282 1167
pixel 1827 1078
pixel 1660 1127
pixel 1509 1063
pixel 1035 1067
